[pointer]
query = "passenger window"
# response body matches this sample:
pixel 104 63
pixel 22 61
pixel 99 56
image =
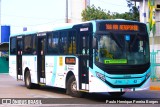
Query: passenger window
pixel 28 45
pixel 34 45
pixel 72 42
pixel 53 42
pixel 13 46
pixel 50 44
pixel 63 43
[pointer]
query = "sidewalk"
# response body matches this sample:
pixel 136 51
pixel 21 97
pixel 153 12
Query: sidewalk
pixel 155 86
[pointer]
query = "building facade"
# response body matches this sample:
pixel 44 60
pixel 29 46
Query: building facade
pixel 144 16
pixel 154 39
pixel 75 8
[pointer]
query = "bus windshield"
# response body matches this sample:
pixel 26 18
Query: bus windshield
pixel 121 48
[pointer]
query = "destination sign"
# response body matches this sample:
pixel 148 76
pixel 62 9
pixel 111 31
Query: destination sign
pixel 122 27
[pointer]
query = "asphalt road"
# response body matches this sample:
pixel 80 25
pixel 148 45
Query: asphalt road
pixel 49 96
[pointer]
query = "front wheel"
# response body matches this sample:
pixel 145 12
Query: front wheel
pixel 72 88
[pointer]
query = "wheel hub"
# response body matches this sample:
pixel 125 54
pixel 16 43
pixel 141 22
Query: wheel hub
pixel 27 81
pixel 74 86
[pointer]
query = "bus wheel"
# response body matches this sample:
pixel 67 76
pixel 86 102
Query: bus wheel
pixel 28 83
pixel 72 87
pixel 116 94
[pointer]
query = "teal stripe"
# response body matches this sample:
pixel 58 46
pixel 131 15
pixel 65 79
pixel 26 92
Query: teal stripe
pixel 54 71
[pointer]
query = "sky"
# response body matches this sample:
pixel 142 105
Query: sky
pixel 35 13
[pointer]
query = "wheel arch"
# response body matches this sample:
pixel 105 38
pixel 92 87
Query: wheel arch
pixel 69 74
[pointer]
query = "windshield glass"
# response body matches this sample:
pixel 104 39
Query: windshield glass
pixel 122 49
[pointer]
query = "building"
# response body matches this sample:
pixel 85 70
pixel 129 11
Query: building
pixel 144 13
pixel 75 8
pixel 154 39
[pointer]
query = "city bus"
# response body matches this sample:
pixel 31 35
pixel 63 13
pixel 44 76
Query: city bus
pixel 91 57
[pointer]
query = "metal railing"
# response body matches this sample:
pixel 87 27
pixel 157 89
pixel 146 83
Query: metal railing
pixel 154 65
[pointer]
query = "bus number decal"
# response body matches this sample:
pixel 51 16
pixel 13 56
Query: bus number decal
pixel 70 60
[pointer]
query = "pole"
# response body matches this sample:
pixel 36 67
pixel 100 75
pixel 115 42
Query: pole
pixel 135 3
pixel 66 11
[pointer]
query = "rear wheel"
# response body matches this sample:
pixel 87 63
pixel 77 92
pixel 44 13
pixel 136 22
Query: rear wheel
pixel 28 82
pixel 72 87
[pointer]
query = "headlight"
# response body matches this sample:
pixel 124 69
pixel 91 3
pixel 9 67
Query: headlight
pixel 148 75
pixel 100 76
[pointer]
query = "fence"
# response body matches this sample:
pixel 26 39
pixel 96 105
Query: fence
pixel 155 65
pixel 4 65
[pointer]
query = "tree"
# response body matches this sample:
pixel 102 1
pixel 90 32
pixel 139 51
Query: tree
pixel 134 13
pixel 133 10
pixel 93 13
pixel 129 3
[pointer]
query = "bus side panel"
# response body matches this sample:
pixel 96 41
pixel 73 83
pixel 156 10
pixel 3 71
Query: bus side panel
pixel 50 69
pixel 57 70
pixel 12 66
pixel 30 62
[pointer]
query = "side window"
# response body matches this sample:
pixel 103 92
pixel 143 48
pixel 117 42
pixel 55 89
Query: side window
pixel 28 44
pixel 62 42
pixel 53 41
pixel 72 42
pixel 49 40
pixel 34 45
pixel 63 48
pixel 13 46
pixel 20 45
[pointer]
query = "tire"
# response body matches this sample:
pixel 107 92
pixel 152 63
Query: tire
pixel 72 88
pixel 28 82
pixel 116 94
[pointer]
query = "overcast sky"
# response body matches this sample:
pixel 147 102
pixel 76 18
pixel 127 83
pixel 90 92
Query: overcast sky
pixel 33 13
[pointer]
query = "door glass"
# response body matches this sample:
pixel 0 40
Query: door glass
pixel 19 56
pixel 43 60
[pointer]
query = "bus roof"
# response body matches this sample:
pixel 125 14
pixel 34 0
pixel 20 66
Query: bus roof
pixel 23 33
pixel 116 20
pixel 63 26
pixel 54 28
pixel 70 25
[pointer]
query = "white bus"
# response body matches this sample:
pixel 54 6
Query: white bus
pixel 97 56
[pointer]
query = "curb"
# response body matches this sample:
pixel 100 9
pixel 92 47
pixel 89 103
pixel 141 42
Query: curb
pixel 155 88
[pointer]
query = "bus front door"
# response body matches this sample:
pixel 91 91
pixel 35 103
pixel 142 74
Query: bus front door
pixel 41 60
pixel 19 58
pixel 83 61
